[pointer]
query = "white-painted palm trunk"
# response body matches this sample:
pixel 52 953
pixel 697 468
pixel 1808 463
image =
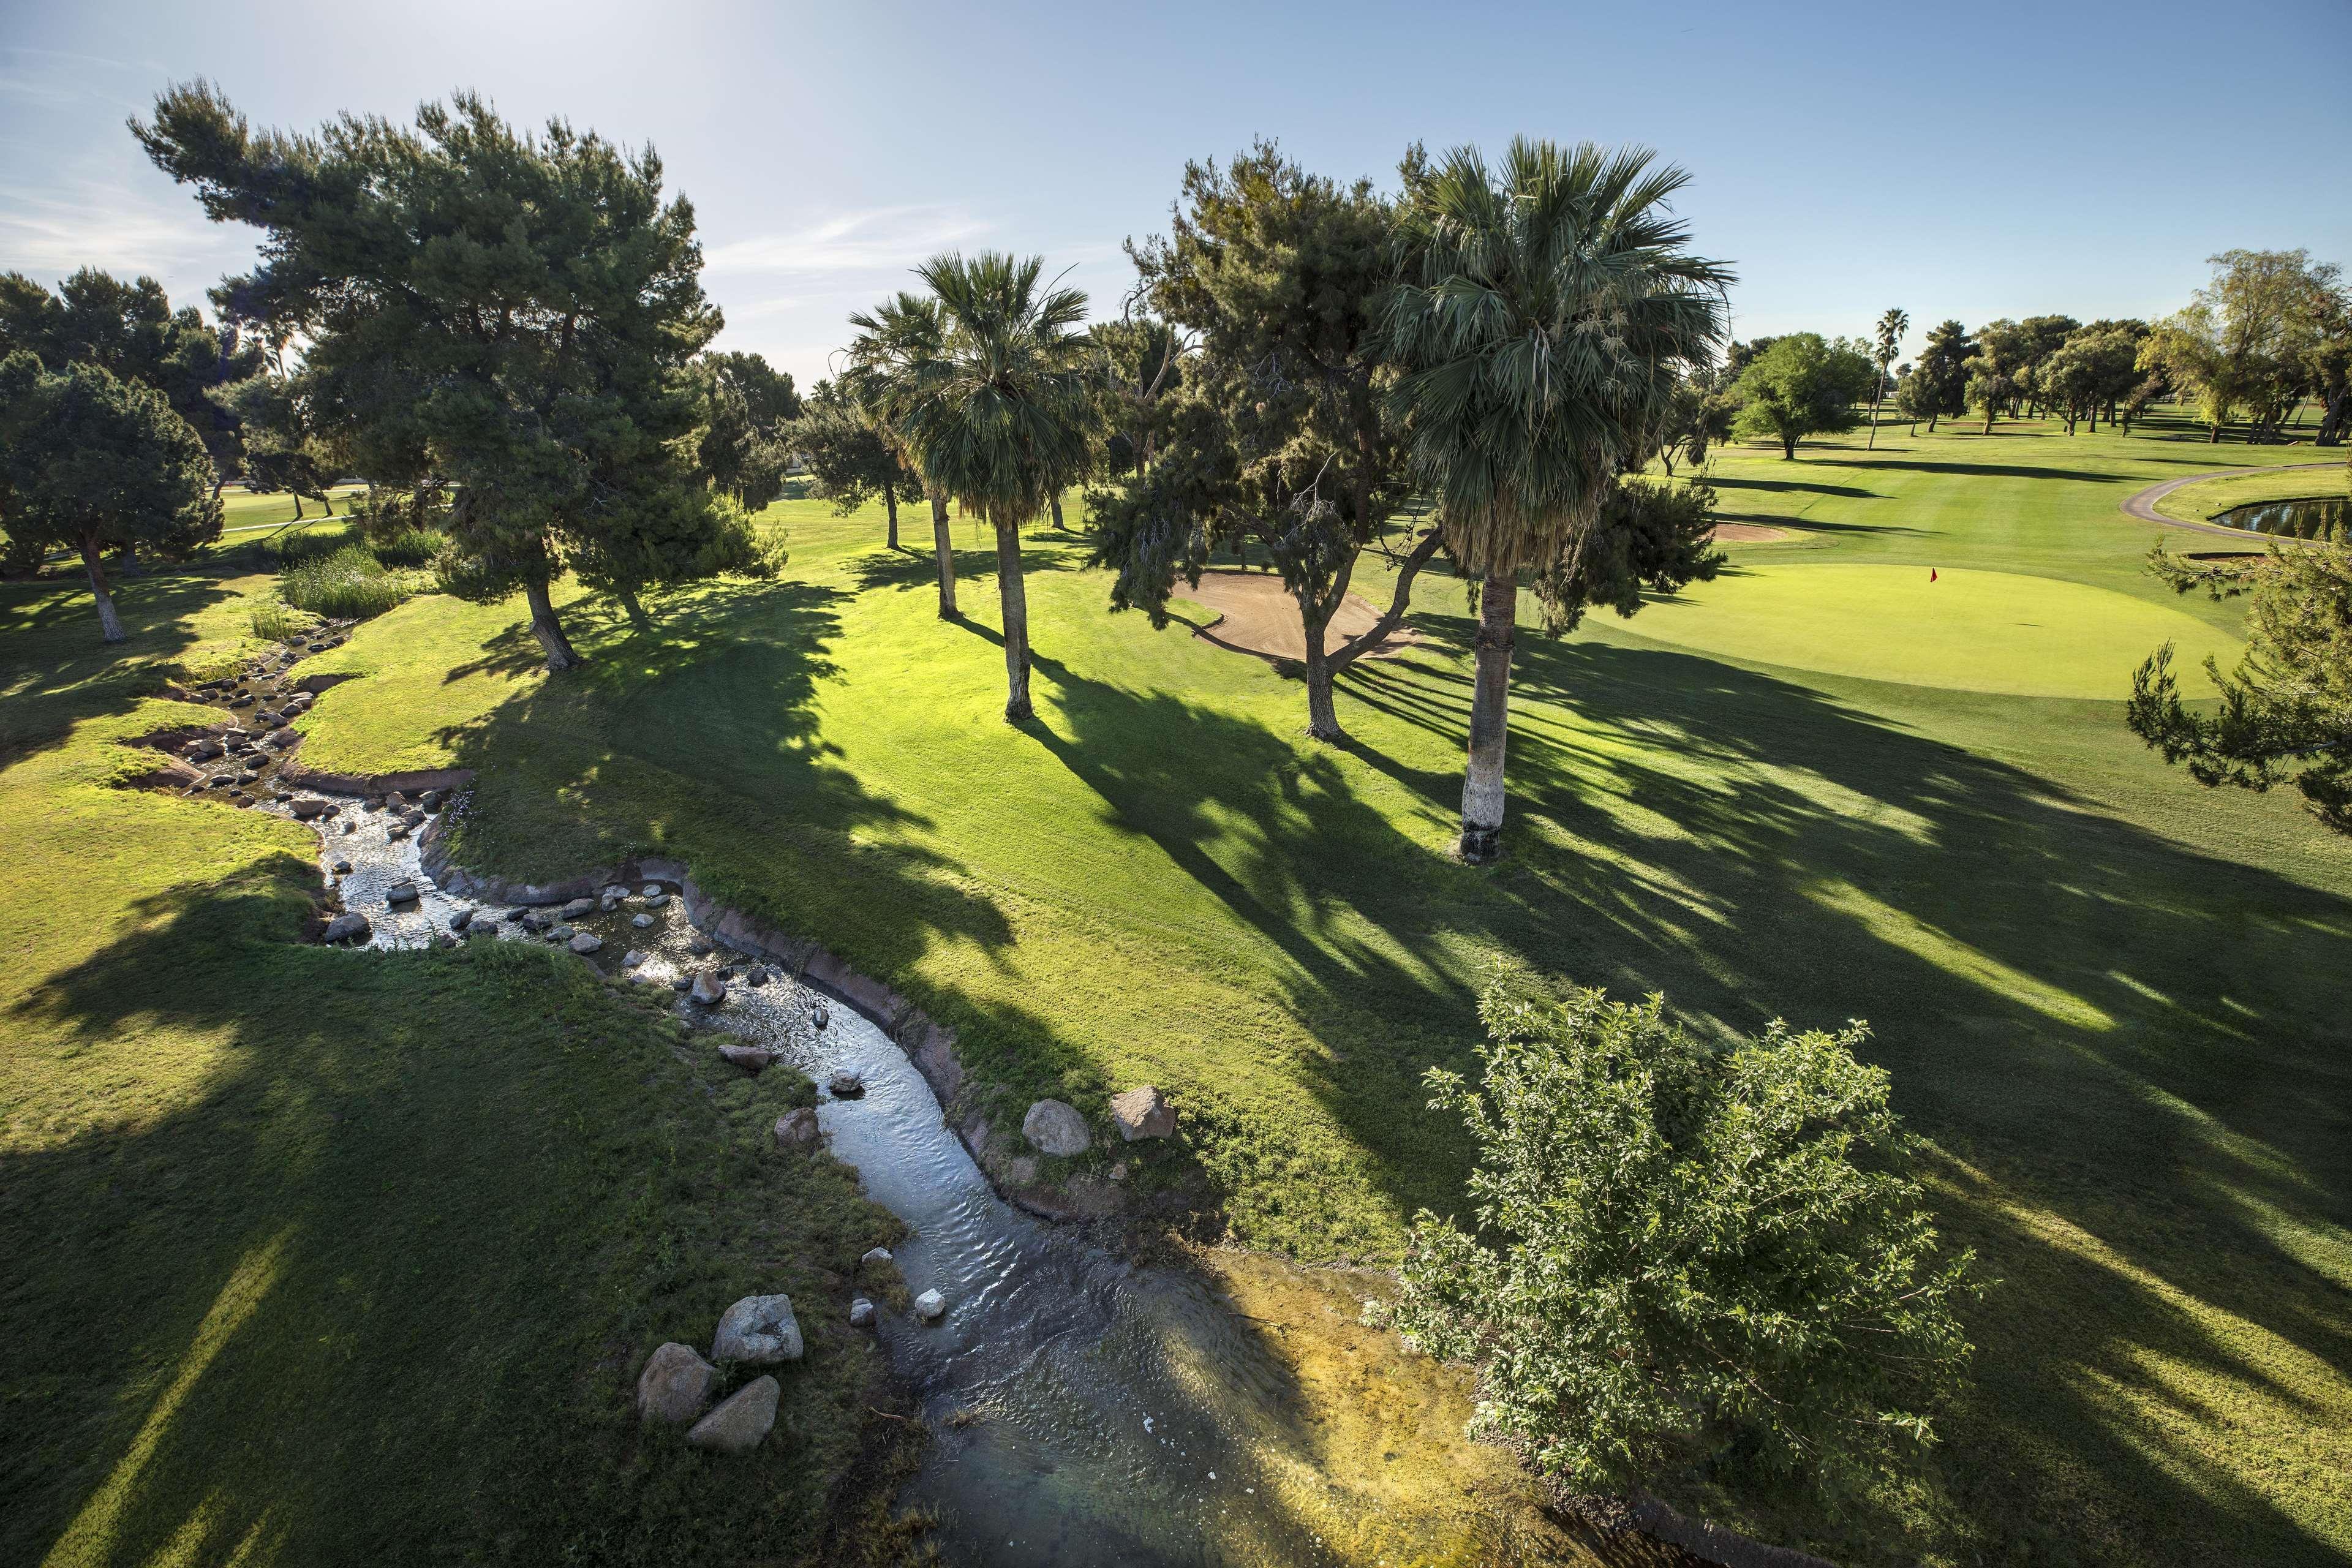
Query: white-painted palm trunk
pixel 1490 720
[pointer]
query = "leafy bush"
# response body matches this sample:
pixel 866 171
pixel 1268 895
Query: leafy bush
pixel 1686 1255
pixel 275 620
pixel 349 584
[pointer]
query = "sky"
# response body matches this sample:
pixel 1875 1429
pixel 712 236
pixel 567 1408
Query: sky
pixel 1971 162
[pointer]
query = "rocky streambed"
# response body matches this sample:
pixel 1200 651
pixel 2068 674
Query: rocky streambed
pixel 1217 1409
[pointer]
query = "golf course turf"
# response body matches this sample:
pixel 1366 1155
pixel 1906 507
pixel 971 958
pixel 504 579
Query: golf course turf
pixel 1823 787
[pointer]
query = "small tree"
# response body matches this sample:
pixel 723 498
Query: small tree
pixel 506 318
pixel 1889 343
pixel 746 406
pixel 93 462
pixel 1942 373
pixel 2287 710
pixel 850 457
pixel 1802 385
pixel 283 450
pixel 1992 370
pixel 1682 1253
pixel 1274 435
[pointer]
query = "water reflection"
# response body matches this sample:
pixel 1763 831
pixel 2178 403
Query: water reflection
pixel 2321 519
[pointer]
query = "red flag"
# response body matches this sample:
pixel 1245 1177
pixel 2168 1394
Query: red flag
pixel 1931 574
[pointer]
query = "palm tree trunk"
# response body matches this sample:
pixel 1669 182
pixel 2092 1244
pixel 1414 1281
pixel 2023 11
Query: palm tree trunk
pixel 1057 515
pixel 108 623
pixel 561 655
pixel 1490 718
pixel 1872 445
pixel 944 543
pixel 891 501
pixel 1013 596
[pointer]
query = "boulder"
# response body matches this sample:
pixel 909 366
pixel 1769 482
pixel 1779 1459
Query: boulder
pixel 401 893
pixel 653 890
pixel 759 975
pixel 642 922
pixel 586 942
pixel 798 1130
pixel 709 989
pixel 846 1084
pixel 343 867
pixel 305 810
pixel 861 1313
pixel 631 959
pixel 753 1059
pixel 395 833
pixel 1056 1128
pixel 560 933
pixel 875 1256
pixel 461 920
pixel 351 927
pixel 758 1330
pixel 1143 1112
pixel 680 983
pixel 414 818
pixel 203 750
pixel 931 1306
pixel 823 1016
pixel 657 898
pixel 575 909
pixel 739 1424
pixel 279 740
pixel 432 799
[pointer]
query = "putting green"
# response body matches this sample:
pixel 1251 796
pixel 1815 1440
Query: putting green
pixel 1967 631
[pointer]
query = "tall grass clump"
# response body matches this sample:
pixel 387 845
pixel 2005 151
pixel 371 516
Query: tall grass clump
pixel 349 584
pixel 275 620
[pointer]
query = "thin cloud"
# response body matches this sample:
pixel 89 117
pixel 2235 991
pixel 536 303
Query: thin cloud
pixel 873 239
pixel 50 232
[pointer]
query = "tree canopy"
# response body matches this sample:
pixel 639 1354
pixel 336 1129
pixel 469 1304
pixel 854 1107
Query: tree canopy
pixel 509 317
pixel 1271 430
pixel 2287 710
pixel 94 318
pixel 1683 1254
pixel 93 461
pixel 746 406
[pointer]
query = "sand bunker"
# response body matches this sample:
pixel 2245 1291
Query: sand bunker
pixel 1748 533
pixel 1256 614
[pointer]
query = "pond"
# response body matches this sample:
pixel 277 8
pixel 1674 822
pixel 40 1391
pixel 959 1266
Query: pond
pixel 2320 516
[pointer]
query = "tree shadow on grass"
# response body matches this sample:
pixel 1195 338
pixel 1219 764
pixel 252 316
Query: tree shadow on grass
pixel 55 669
pixel 2119 1033
pixel 2107 1030
pixel 377 1268
pixel 700 742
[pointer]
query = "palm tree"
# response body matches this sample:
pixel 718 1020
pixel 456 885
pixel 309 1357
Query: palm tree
pixel 1545 312
pixel 1891 328
pixel 898 332
pixel 997 410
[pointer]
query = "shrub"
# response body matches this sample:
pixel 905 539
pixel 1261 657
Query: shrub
pixel 410 547
pixel 1686 1255
pixel 349 584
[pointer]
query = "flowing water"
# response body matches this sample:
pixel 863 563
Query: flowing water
pixel 1086 1411
pixel 2319 518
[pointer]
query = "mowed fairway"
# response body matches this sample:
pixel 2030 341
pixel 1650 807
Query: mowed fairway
pixel 1968 629
pixel 2112 1002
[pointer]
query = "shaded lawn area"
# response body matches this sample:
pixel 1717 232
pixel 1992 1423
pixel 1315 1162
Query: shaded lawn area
pixel 322 1257
pixel 2111 1002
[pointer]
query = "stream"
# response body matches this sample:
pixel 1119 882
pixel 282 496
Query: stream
pixel 1085 1411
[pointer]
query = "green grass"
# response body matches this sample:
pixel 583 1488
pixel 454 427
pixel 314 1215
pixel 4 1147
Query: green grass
pixel 2110 1000
pixel 1963 629
pixel 316 1257
pixel 2208 499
